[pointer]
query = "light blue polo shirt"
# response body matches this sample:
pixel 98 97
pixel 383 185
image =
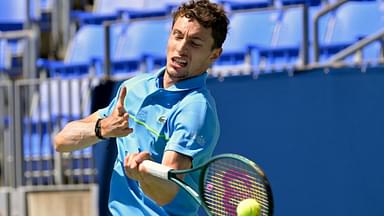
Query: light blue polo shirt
pixel 181 118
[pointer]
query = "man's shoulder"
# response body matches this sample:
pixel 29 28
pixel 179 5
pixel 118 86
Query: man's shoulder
pixel 199 97
pixel 201 94
pixel 139 78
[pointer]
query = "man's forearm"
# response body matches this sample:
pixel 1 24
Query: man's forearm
pixel 160 190
pixel 76 135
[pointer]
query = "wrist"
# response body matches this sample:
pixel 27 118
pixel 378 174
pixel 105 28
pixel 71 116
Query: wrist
pixel 98 129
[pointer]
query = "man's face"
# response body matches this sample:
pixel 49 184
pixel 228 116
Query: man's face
pixel 189 51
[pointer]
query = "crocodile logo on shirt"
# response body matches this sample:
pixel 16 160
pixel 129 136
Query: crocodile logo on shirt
pixel 162 119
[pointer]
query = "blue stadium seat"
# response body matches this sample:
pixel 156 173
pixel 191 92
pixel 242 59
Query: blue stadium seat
pixel 115 9
pixel 39 156
pixel 14 17
pixel 133 50
pixel 69 99
pixel 352 22
pixel 250 29
pixel 113 6
pixel 285 48
pixel 85 50
pixel 56 99
pixel 297 2
pixel 38 153
pixel 54 103
pixel 246 4
pixel 13 14
pixel 36 140
pixel 85 45
pixel 5 56
pixel 64 95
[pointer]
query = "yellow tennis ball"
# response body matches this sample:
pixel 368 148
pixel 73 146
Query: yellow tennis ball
pixel 248 207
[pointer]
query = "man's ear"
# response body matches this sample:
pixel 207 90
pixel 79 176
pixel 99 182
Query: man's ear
pixel 216 54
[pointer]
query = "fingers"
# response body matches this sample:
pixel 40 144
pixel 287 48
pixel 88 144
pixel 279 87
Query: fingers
pixel 122 121
pixel 120 103
pixel 125 118
pixel 116 126
pixel 130 167
pixel 132 164
pixel 124 125
pixel 126 131
pixel 142 156
pixel 123 93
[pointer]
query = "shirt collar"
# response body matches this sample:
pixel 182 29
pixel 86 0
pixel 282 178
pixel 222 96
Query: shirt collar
pixel 188 84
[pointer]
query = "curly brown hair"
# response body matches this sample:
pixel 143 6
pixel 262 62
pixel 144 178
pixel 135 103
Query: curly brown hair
pixel 209 15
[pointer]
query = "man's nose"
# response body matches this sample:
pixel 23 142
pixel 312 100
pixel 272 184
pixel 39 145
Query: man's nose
pixel 182 46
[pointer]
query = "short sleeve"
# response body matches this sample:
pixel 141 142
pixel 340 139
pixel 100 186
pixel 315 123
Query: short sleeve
pixel 195 130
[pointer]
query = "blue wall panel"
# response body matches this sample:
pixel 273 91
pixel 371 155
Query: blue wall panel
pixel 320 138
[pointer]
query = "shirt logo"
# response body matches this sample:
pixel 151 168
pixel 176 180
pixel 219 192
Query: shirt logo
pixel 200 140
pixel 162 119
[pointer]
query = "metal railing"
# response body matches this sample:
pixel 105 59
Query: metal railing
pixel 31 112
pixel 321 13
pixel 341 55
pixel 29 54
pixel 7 157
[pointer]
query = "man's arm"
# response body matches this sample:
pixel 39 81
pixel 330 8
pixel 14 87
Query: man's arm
pixel 161 191
pixel 77 134
pixel 81 133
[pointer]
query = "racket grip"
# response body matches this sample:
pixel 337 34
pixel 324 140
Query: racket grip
pixel 156 169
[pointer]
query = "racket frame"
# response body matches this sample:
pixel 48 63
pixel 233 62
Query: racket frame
pixel 172 176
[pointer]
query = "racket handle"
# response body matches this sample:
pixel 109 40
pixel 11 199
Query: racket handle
pixel 156 169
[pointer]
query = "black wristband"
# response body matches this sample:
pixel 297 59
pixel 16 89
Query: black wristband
pixel 98 129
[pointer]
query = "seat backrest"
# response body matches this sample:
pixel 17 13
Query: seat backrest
pixel 252 27
pixel 5 55
pixel 86 44
pixel 15 10
pixel 112 6
pixel 291 28
pixel 143 37
pixel 355 20
pixel 243 4
pixel 12 11
pixel 297 2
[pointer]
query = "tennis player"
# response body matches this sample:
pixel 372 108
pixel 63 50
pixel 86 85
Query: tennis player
pixel 169 117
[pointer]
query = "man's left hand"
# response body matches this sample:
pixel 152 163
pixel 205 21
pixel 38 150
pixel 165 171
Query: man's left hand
pixel 132 164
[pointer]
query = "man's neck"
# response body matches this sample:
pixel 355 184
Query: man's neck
pixel 168 81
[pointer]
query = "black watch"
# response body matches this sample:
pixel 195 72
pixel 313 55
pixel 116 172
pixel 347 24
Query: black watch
pixel 98 129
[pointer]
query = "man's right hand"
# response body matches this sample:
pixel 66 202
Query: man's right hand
pixel 116 125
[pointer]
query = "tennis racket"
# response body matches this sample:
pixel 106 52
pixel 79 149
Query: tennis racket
pixel 225 180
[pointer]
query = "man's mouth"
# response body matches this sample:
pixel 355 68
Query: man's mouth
pixel 179 61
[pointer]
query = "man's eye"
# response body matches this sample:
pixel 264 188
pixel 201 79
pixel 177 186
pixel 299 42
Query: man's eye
pixel 195 44
pixel 178 37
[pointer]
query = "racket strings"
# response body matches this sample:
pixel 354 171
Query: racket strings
pixel 257 188
pixel 228 181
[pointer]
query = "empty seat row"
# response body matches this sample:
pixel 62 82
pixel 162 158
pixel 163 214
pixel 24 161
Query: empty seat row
pixel 351 23
pixel 140 42
pixel 268 40
pixel 272 36
pixel 53 104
